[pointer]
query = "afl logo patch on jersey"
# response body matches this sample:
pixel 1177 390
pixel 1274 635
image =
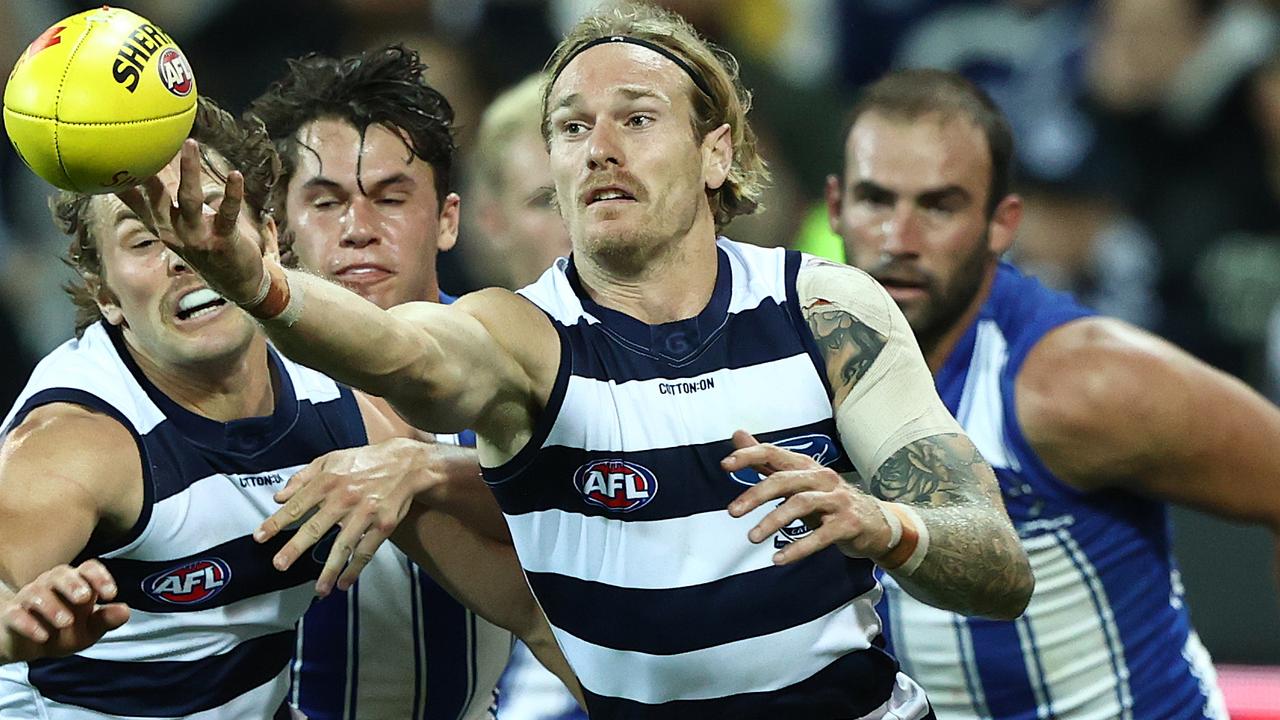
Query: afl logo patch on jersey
pixel 616 484
pixel 188 584
pixel 819 447
pixel 175 73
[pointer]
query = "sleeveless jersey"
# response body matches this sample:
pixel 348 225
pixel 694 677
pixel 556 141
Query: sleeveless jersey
pixel 212 624
pixel 1106 634
pixel 397 646
pixel 617 506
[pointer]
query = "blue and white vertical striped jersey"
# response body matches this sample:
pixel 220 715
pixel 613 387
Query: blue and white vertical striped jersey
pixel 1106 634
pixel 617 506
pixel 212 624
pixel 397 646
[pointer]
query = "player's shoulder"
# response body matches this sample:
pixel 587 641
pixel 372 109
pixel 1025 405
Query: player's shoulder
pixel 820 281
pixel 75 443
pixel 1082 376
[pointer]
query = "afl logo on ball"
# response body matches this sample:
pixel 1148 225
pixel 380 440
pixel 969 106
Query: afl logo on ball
pixel 616 484
pixel 189 584
pixel 175 73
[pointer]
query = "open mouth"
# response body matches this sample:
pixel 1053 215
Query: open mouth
pixel 198 303
pixel 607 194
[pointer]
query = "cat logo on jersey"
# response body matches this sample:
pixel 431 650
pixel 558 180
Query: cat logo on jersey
pixel 819 447
pixel 791 533
pixel 188 584
pixel 616 484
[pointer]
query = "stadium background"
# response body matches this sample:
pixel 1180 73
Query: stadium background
pixel 1149 155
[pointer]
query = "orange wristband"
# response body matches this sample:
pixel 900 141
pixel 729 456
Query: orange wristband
pixel 913 541
pixel 277 296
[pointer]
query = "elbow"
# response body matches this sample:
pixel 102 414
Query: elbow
pixel 1010 599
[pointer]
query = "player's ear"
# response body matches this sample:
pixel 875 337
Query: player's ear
pixel 106 300
pixel 1004 224
pixel 717 156
pixel 270 239
pixel 447 227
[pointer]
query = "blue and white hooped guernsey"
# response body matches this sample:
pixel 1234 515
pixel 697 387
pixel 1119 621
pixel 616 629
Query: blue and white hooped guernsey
pixel 617 506
pixel 1106 634
pixel 397 646
pixel 212 625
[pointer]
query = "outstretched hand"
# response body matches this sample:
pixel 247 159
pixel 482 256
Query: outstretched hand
pixel 58 613
pixel 206 238
pixel 367 490
pixel 836 512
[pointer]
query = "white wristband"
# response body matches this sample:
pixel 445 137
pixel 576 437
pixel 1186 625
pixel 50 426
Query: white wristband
pixel 908 541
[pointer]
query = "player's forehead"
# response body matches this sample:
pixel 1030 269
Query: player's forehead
pixel 914 153
pixel 618 71
pixel 335 150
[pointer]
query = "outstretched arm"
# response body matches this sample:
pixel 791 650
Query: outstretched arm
pixel 441 366
pixel 930 510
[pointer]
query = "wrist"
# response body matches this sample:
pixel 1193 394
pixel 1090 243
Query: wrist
pixel 908 541
pixel 274 298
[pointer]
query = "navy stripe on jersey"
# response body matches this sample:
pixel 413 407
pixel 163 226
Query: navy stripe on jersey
pixel 249 562
pixel 445 648
pixel 854 684
pixel 691 474
pixel 668 621
pixel 98 545
pixel 353 667
pixel 671 344
pixel 795 312
pixel 172 465
pixel 310 436
pixel 324 633
pixel 163 688
pixel 1008 692
pixel 738 346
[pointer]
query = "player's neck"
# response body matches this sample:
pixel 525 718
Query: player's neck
pixel 223 390
pixel 938 350
pixel 673 283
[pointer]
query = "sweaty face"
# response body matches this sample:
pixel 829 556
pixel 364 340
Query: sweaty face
pixel 532 232
pixel 363 212
pixel 629 173
pixel 912 212
pixel 169 318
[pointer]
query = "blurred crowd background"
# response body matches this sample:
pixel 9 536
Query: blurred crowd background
pixel 1148 154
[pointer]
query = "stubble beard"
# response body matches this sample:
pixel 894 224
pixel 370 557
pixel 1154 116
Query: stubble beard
pixel 946 305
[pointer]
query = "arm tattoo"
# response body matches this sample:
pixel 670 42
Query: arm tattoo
pixel 975 564
pixel 848 345
pixel 935 471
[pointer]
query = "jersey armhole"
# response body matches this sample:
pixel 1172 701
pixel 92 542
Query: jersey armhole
pixel 98 546
pixel 546 419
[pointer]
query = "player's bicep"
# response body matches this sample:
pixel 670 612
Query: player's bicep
pixel 461 369
pixel 883 392
pixel 65 473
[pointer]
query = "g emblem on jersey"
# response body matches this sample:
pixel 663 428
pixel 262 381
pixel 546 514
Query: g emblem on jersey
pixel 819 447
pixel 194 582
pixel 616 484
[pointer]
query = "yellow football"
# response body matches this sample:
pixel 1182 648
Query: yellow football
pixel 100 101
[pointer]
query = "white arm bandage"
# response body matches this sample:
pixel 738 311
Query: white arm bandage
pixel 895 402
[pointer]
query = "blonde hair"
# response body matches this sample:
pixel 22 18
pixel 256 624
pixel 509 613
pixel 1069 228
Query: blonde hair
pixel 512 113
pixel 726 101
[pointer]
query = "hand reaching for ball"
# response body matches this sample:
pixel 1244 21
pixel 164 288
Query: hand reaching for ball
pixel 207 239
